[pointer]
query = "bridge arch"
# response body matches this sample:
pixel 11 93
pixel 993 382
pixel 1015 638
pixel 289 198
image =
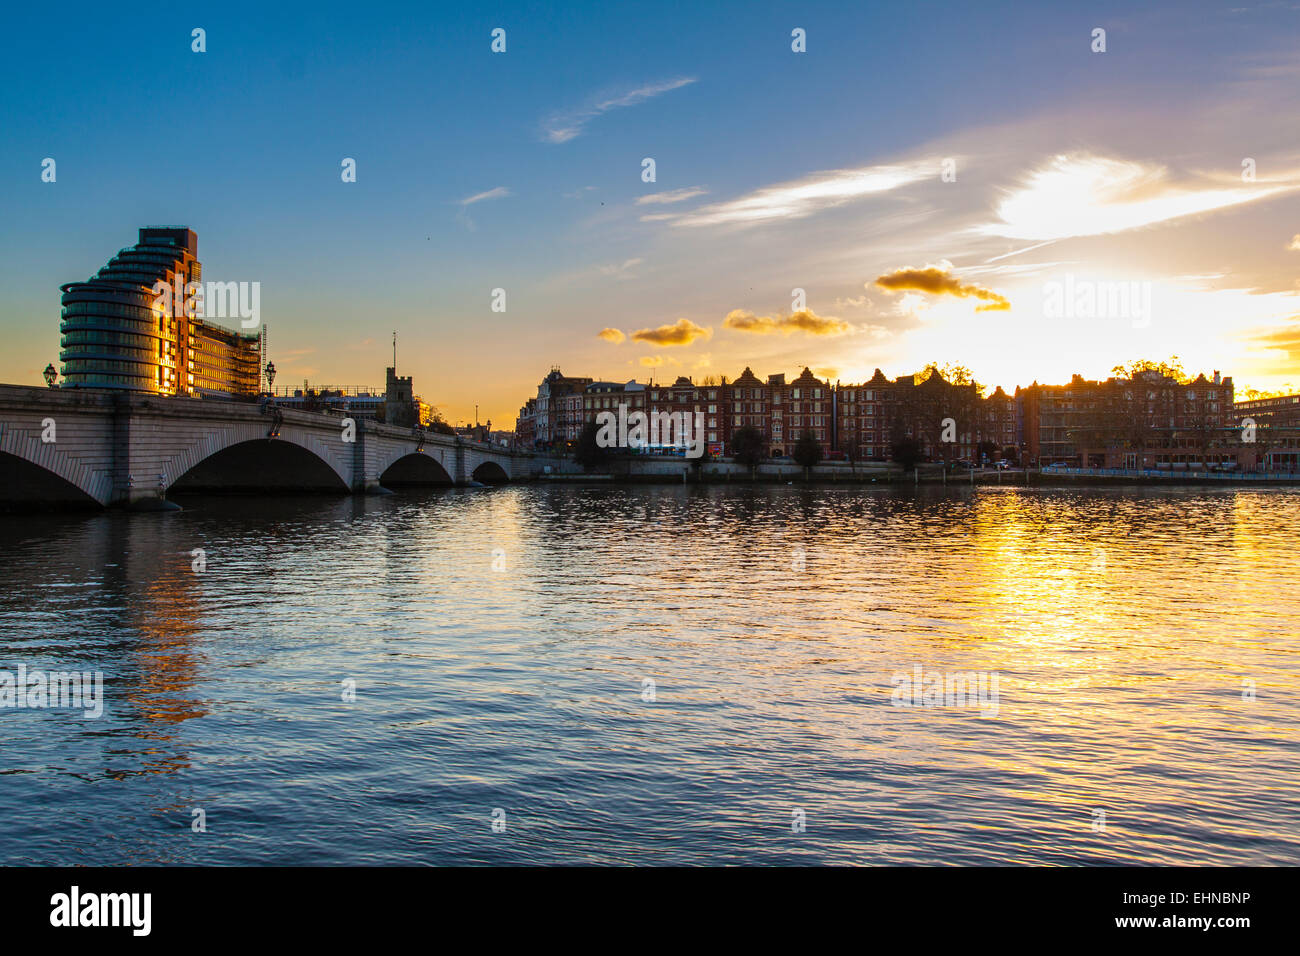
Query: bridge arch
pixel 126 449
pixel 36 465
pixel 25 484
pixel 415 468
pixel 242 464
pixel 491 473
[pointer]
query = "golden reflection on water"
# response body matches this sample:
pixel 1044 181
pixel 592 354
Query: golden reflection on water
pixel 502 638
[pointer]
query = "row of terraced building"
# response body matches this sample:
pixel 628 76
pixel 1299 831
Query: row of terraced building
pixel 852 421
pixel 1151 420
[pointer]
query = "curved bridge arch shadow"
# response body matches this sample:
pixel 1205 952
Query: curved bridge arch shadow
pixel 415 470
pixel 490 473
pixel 261 465
pixel 27 486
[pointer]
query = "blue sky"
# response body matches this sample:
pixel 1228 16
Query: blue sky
pixel 243 143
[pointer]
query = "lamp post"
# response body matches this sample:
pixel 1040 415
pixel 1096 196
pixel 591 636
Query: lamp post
pixel 51 375
pixel 270 376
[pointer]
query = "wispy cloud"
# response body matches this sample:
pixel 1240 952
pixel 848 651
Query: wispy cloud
pixel 620 270
pixel 1086 195
pixel 682 332
pixel 672 195
pixel 805 320
pixel 1017 270
pixel 804 197
pixel 937 280
pixel 611 335
pixel 849 302
pixel 564 126
pixel 1021 251
pixel 498 192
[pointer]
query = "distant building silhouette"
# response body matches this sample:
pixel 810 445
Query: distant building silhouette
pixel 401 405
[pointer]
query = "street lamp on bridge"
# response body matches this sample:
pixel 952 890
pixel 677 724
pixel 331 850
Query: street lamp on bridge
pixel 270 376
pixel 51 375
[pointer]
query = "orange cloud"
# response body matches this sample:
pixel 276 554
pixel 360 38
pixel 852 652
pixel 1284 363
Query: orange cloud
pixel 937 281
pixel 805 320
pixel 652 361
pixel 1285 340
pixel 611 335
pixel 682 332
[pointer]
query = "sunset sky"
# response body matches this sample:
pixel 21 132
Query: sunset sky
pixel 775 171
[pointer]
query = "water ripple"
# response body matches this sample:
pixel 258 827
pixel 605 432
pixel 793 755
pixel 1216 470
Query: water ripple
pixel 500 642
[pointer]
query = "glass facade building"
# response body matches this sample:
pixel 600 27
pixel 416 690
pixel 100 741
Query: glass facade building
pixel 116 334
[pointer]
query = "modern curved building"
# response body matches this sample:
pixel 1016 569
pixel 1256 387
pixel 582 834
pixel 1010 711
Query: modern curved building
pixel 115 335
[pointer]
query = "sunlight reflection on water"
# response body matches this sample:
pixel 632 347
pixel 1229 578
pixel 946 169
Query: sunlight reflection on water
pixel 1122 626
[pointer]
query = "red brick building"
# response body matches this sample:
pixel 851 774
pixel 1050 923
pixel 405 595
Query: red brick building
pixel 862 425
pixel 1277 430
pixel 747 401
pixel 782 411
pixel 526 425
pixel 557 416
pixel 609 396
pixel 873 416
pixel 1151 420
pixel 805 405
pixel 1000 422
pixel 685 398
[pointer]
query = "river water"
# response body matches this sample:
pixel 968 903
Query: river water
pixel 501 644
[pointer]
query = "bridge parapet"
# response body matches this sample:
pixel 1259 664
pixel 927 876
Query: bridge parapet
pixel 120 448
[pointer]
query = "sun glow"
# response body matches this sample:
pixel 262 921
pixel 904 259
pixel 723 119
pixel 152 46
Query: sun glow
pixel 1079 195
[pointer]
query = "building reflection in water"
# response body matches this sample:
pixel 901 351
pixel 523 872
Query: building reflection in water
pixel 129 606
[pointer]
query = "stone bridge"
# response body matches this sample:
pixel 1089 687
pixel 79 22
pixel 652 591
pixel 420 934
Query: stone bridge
pixel 95 446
